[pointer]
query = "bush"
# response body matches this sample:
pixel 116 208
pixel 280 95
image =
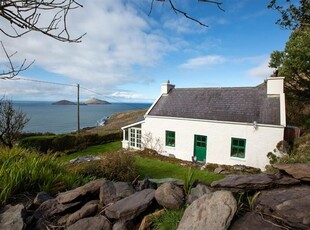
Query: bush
pixel 70 142
pixel 26 171
pixel 118 166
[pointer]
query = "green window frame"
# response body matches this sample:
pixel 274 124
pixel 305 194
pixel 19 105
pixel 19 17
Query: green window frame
pixel 170 138
pixel 238 147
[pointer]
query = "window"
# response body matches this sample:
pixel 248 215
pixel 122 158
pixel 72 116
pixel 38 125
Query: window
pixel 170 138
pixel 238 147
pixel 135 137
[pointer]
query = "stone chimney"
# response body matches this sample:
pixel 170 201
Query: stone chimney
pixel 275 88
pixel 166 87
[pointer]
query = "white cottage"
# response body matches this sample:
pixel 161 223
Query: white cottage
pixel 237 125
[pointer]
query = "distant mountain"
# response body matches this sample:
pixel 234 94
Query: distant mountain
pixel 95 101
pixel 64 102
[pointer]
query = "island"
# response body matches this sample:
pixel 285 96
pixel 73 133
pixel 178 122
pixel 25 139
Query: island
pixel 95 101
pixel 64 102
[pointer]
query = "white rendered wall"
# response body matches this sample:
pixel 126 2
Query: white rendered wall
pixel 259 141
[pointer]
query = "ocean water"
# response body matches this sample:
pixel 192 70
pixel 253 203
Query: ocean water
pixel 45 117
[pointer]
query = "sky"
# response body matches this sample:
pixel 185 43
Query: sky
pixel 127 52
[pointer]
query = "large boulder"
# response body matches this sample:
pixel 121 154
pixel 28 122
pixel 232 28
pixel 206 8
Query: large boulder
pixel 290 205
pixel 91 190
pixel 12 217
pixel 170 196
pixel 254 221
pixel 253 182
pixel 131 206
pixel 212 211
pixel 110 192
pixel 197 192
pixel 93 223
pixel 299 171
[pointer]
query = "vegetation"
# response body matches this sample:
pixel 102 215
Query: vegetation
pixel 26 171
pixel 300 152
pixel 293 62
pixel 72 142
pixel 12 122
pixel 118 120
pixel 169 220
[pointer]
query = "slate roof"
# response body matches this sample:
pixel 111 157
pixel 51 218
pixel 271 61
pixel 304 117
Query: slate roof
pixel 240 104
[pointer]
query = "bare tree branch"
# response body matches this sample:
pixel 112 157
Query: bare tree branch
pixel 177 10
pixel 28 15
pixel 12 69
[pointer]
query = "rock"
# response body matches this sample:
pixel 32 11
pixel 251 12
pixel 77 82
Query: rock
pixel 110 192
pixel 254 221
pixel 84 159
pixel 290 205
pixel 211 211
pixel 89 209
pixel 197 192
pixel 170 196
pixel 299 171
pixel 52 207
pixel 147 220
pixel 146 183
pixel 131 206
pixel 90 189
pixel 41 197
pixel 12 217
pixel 120 225
pixel 253 182
pixel 167 180
pixel 218 170
pixel 93 223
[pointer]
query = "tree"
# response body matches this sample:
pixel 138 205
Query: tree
pixel 295 15
pixel 12 122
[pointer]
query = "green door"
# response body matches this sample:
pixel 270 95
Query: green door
pixel 200 147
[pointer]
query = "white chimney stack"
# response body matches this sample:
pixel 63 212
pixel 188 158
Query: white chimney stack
pixel 166 87
pixel 275 88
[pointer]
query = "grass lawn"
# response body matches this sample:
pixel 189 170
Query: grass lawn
pixel 94 151
pixel 160 169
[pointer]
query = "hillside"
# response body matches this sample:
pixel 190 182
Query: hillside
pixel 95 101
pixel 64 102
pixel 118 120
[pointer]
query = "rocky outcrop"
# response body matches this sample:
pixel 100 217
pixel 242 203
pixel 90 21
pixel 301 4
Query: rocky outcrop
pixel 170 196
pixel 299 171
pixel 211 211
pixel 282 201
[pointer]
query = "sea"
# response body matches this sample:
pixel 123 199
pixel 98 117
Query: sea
pixel 46 117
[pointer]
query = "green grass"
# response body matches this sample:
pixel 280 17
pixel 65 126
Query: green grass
pixel 169 220
pixel 161 169
pixel 23 170
pixel 94 151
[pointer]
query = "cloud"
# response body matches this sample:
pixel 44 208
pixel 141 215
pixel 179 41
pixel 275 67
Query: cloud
pixel 117 39
pixel 261 71
pixel 203 61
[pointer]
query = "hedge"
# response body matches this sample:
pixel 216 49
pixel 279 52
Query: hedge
pixel 66 142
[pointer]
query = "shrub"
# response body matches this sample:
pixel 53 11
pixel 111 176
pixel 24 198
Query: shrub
pixel 118 166
pixel 24 170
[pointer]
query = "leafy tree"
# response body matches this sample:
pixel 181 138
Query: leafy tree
pixel 294 62
pixel 12 122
